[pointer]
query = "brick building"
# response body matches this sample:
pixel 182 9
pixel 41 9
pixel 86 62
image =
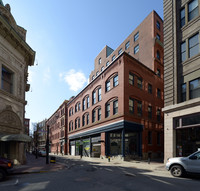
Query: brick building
pixel 58 130
pixel 182 77
pixel 119 112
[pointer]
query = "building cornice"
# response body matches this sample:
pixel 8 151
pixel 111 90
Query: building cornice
pixel 10 34
pixel 181 106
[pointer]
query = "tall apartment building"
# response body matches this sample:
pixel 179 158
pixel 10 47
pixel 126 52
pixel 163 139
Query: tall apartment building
pixel 58 130
pixel 41 135
pixel 119 112
pixel 145 44
pixel 15 57
pixel 181 77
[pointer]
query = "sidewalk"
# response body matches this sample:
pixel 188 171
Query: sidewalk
pixel 38 165
pixel 142 164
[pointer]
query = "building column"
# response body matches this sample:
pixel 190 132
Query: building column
pixel 103 144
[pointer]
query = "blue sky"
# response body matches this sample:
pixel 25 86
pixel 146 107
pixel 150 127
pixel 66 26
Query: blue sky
pixel 67 35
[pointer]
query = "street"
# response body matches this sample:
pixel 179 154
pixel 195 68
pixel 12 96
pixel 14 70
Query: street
pixel 84 175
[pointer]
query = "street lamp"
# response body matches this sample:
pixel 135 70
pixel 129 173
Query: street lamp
pixel 47 146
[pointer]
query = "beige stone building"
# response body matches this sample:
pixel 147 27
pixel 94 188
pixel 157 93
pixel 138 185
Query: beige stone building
pixel 15 57
pixel 181 77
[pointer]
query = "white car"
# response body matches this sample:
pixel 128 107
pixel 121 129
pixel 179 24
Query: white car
pixel 180 165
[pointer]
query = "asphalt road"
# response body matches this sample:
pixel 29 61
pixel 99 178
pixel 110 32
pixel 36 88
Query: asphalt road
pixel 82 175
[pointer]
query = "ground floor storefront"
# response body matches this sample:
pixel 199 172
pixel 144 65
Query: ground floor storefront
pixel 122 139
pixel 182 130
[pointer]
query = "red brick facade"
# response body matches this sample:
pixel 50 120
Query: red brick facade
pixel 58 130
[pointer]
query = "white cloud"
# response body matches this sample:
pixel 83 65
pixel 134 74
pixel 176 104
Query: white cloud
pixel 74 79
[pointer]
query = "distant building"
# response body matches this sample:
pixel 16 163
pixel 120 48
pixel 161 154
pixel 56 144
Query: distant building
pixel 182 77
pixel 58 130
pixel 119 112
pixel 41 135
pixel 15 57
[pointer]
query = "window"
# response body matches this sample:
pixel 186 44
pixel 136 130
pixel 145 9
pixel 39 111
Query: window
pixel 139 108
pixel 139 82
pixel 99 114
pixel 194 88
pixel 158 36
pixel 158 25
pixel 99 60
pixel 115 81
pixel 99 94
pixel 107 110
pixel 79 106
pixel 76 108
pixel 97 73
pixel 108 86
pixel 158 55
pixel 120 51
pixel 136 36
pixel 158 93
pixel 158 72
pixel 76 123
pixel 115 107
pixel 93 97
pixel 127 45
pixel 131 105
pixel 113 57
pixel 93 116
pixel 136 49
pixel 194 45
pixel 183 92
pixel 182 17
pixel 150 88
pixel 7 80
pixel 87 116
pixel 183 52
pixel 107 63
pixel 131 78
pixel 88 102
pixel 93 77
pixel 158 114
pixel 84 106
pixel 102 68
pixel 83 120
pixel 193 10
pixel 150 112
pixel 149 137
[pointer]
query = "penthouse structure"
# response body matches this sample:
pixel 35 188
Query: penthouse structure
pixel 119 112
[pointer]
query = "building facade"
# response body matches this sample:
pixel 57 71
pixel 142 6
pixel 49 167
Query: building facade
pixel 58 130
pixel 15 57
pixel 119 112
pixel 42 135
pixel 182 77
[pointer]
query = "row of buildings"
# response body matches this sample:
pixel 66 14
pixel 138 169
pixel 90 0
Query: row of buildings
pixel 143 98
pixel 119 113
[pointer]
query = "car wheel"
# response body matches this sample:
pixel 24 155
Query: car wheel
pixel 2 174
pixel 176 170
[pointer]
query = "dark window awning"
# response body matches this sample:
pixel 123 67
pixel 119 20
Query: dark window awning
pixel 15 137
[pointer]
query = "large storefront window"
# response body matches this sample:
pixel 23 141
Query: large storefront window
pixel 131 144
pixel 115 143
pixel 187 141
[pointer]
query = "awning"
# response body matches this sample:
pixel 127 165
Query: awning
pixel 15 137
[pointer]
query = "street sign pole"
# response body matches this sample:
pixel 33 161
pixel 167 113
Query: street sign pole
pixel 47 146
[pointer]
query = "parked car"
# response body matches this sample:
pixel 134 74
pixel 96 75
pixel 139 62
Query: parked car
pixel 6 167
pixel 42 153
pixel 178 166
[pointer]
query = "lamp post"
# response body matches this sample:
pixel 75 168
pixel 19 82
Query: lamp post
pixel 47 146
